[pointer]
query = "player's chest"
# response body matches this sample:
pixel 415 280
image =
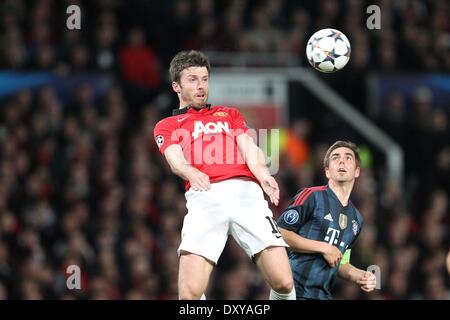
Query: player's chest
pixel 335 226
pixel 198 126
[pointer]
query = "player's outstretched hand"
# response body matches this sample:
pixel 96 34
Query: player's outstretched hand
pixel 270 187
pixel 199 181
pixel 368 281
pixel 332 255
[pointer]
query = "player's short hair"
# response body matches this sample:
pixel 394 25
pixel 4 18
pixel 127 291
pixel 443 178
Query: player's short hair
pixel 187 59
pixel 340 144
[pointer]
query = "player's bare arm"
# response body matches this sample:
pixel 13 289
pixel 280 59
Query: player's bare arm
pixel 256 162
pixel 330 253
pixel 365 279
pixel 349 272
pixel 198 180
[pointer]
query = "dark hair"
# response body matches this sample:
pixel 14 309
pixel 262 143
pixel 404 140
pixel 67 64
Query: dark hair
pixel 340 144
pixel 187 59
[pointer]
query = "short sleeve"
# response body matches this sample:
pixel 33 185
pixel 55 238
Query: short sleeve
pixel 298 213
pixel 239 125
pixel 238 121
pixel 165 135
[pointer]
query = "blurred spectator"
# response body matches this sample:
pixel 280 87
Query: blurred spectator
pixel 105 51
pixel 262 35
pixel 138 61
pixel 297 146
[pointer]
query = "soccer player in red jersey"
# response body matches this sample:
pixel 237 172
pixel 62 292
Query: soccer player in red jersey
pixel 225 174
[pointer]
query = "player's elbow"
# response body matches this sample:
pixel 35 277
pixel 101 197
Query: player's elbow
pixel 173 168
pixel 344 271
pixel 173 158
pixel 286 236
pixel 341 273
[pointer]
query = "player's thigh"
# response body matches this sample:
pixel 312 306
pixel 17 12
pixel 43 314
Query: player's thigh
pixel 205 226
pixel 252 223
pixel 274 265
pixel 193 275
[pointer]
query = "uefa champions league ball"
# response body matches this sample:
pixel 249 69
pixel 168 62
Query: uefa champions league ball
pixel 328 50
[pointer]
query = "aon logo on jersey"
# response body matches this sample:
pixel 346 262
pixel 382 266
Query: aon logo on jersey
pixel 210 128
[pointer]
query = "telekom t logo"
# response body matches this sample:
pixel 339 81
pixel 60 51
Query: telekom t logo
pixel 332 236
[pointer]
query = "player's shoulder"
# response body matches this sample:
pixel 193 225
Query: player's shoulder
pixel 227 109
pixel 314 189
pixel 307 194
pixel 359 216
pixel 168 121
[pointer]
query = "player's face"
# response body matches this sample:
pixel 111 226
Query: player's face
pixel 193 87
pixel 342 165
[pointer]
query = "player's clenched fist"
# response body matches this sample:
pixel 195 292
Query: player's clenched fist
pixel 368 281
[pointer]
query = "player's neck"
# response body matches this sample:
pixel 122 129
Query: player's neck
pixel 342 190
pixel 187 105
pixel 183 105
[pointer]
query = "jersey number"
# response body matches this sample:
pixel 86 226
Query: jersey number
pixel 274 227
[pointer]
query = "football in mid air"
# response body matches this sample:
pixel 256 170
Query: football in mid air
pixel 328 50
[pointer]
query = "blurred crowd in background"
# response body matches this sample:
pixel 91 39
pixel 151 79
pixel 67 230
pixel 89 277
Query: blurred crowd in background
pixel 82 181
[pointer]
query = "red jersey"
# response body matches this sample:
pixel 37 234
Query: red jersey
pixel 208 140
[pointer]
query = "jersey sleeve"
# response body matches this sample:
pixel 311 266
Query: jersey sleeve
pixel 299 211
pixel 238 122
pixel 165 134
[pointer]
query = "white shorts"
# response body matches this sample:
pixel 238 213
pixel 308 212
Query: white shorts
pixel 234 206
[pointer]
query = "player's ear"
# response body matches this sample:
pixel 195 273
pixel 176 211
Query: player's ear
pixel 327 173
pixel 176 87
pixel 357 171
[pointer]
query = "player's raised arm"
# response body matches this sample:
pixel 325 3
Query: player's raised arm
pixel 256 162
pixel 198 180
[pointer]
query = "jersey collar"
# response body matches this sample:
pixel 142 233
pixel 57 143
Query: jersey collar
pixel 177 112
pixel 331 192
